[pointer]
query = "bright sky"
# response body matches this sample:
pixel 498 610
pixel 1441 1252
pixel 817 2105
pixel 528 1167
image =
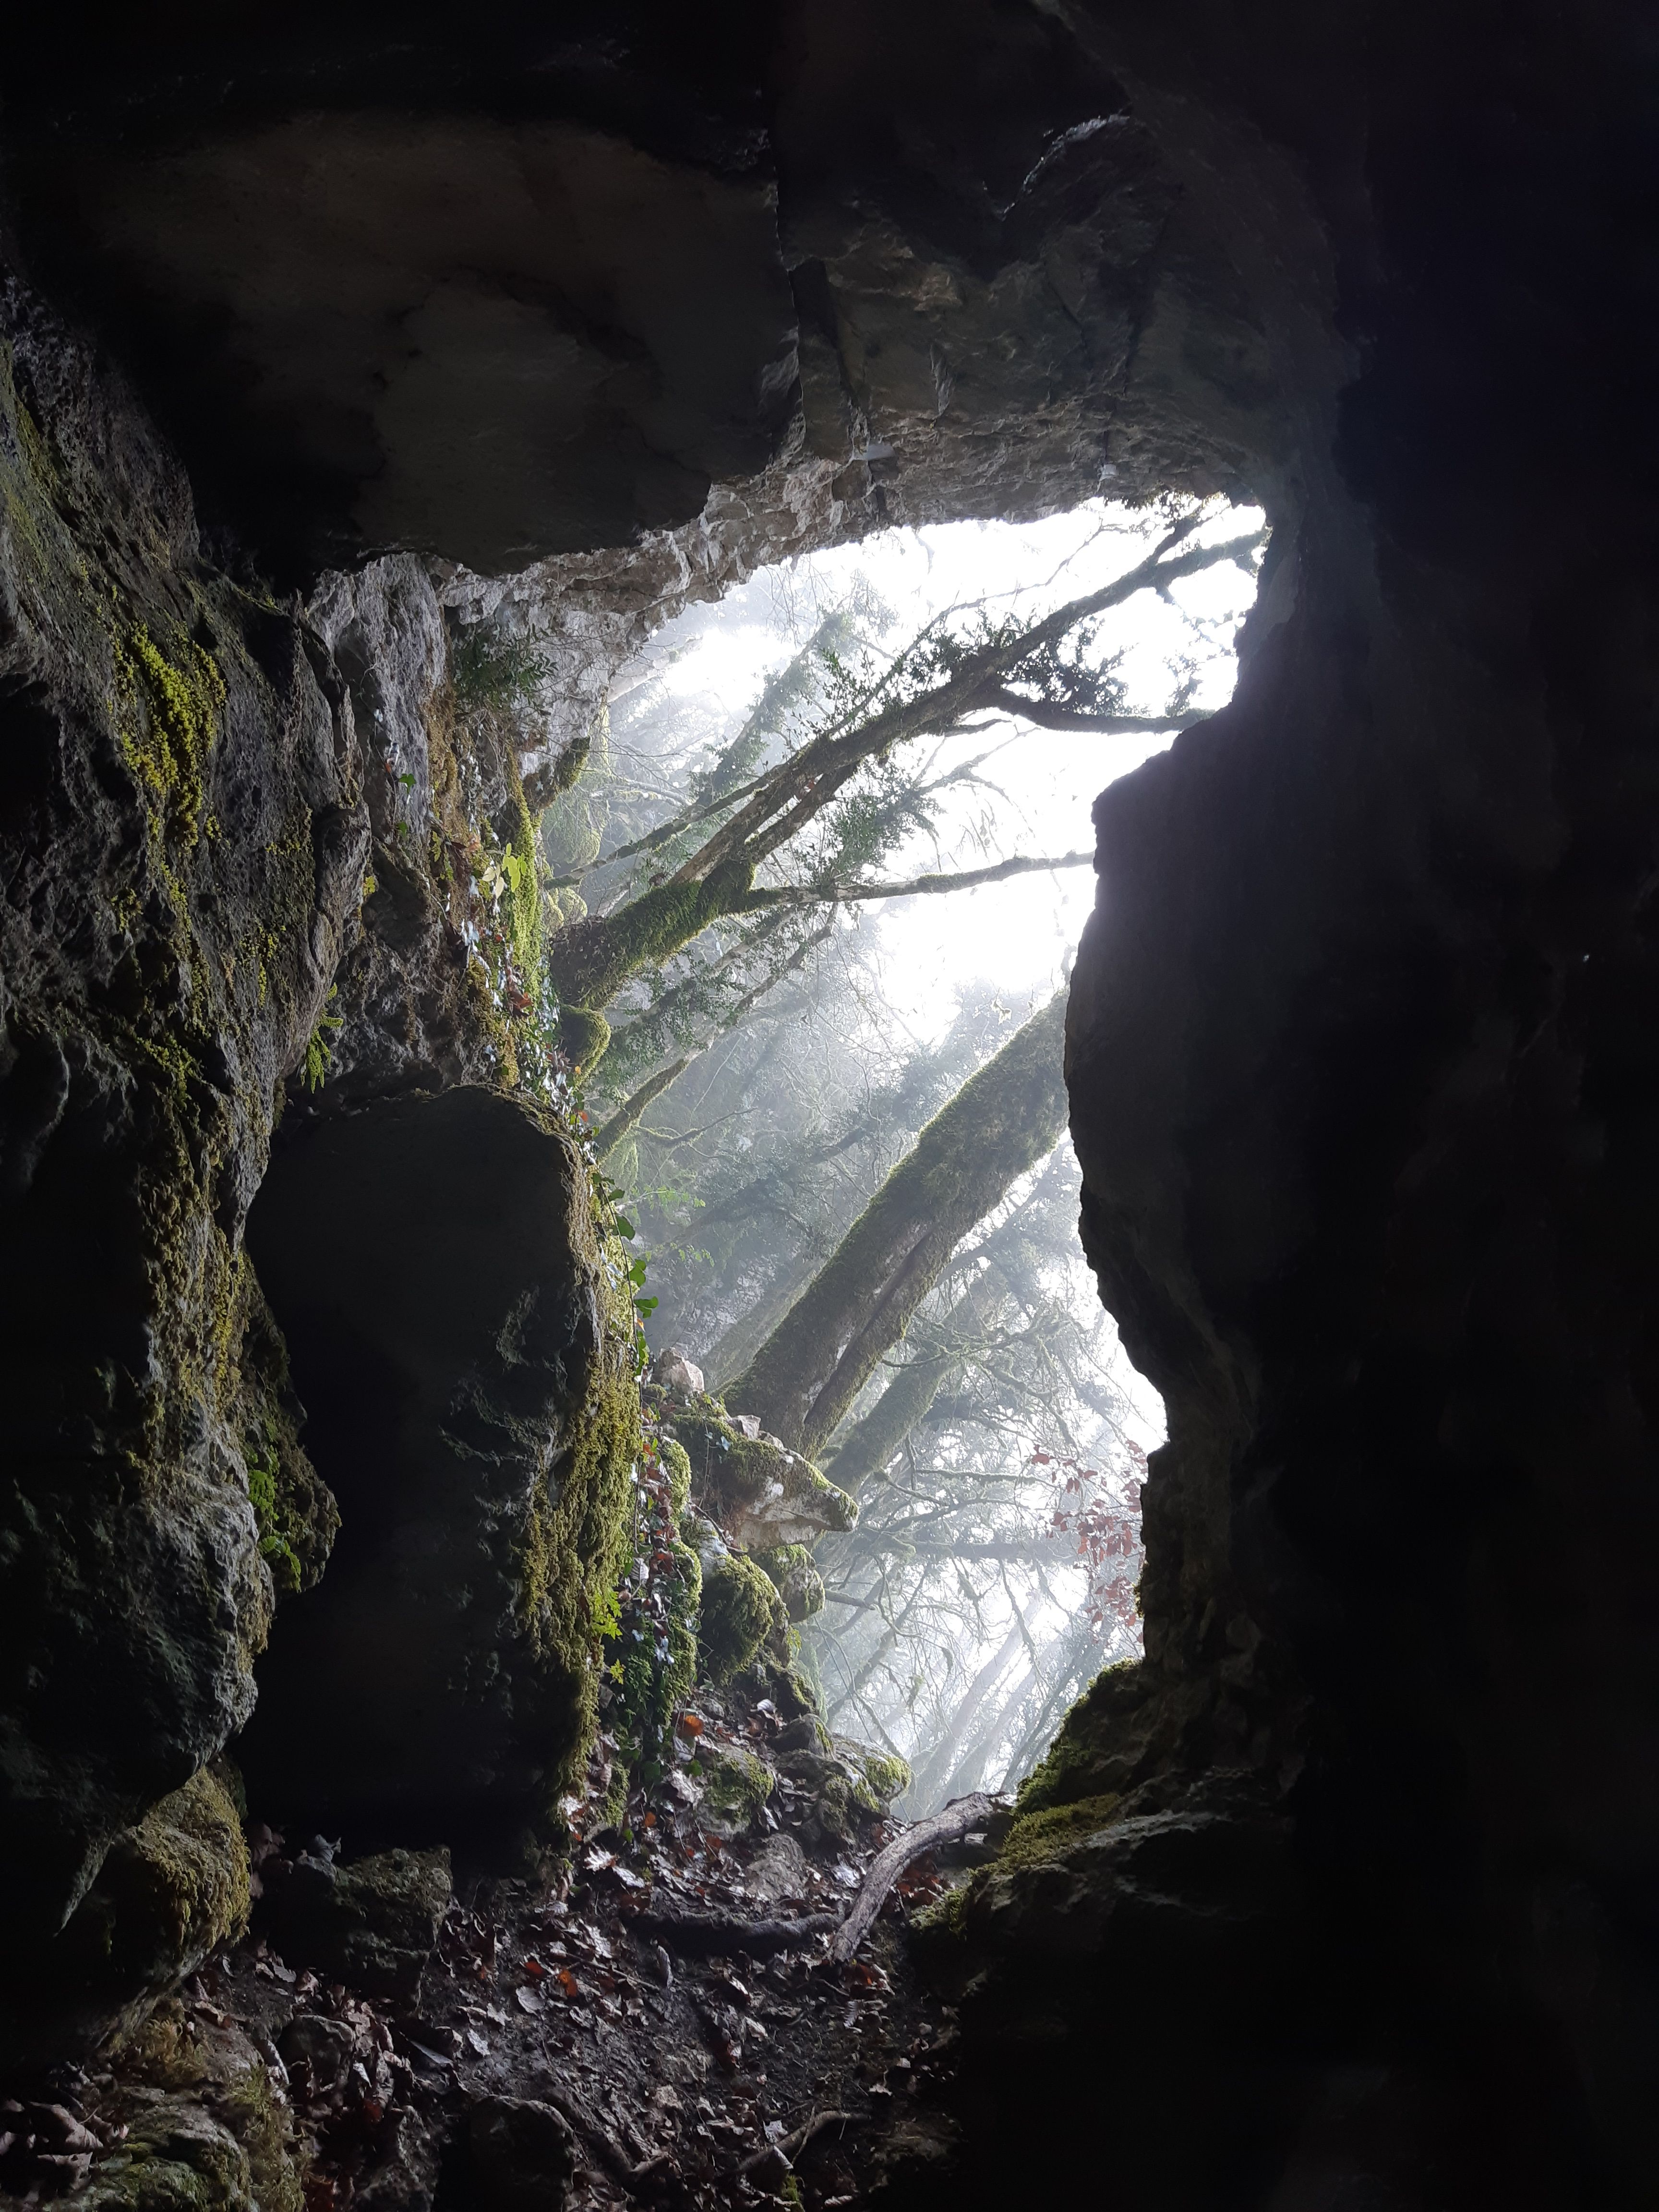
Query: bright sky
pixel 1020 936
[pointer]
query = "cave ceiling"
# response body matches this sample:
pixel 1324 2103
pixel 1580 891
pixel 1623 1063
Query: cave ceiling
pixel 537 294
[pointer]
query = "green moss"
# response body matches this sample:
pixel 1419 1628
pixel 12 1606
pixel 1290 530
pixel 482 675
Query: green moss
pixel 297 1515
pixel 735 1786
pixel 264 2128
pixel 887 1775
pixel 1035 1837
pixel 1073 1767
pixel 653 1689
pixel 793 1574
pixel 738 1470
pixel 319 1051
pixel 519 864
pixel 591 961
pixel 678 1467
pixel 171 1889
pixel 945 1921
pixel 167 714
pixel 584 1036
pixel 576 1539
pixel 740 1610
pixel 176 2158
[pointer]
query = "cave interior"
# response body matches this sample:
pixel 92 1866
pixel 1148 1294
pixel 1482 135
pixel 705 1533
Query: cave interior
pixel 318 329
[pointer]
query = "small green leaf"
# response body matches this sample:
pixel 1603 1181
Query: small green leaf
pixel 624 1226
pixel 645 1307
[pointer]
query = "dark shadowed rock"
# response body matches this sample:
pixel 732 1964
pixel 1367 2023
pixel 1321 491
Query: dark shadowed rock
pixel 436 1269
pixel 523 2154
pixel 372 1923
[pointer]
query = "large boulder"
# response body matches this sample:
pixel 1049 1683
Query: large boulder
pixel 437 1271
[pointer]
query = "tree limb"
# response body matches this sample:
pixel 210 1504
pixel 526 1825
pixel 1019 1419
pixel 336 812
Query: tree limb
pixel 711 1934
pixel 968 1813
pixel 774 894
pixel 1048 717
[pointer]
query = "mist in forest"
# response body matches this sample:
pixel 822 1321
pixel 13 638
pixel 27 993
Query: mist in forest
pixel 782 1097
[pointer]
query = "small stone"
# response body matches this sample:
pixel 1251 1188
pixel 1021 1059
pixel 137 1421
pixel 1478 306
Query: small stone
pixel 673 1372
pixel 778 1870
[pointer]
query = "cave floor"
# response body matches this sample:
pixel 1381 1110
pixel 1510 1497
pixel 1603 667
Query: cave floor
pixel 682 2078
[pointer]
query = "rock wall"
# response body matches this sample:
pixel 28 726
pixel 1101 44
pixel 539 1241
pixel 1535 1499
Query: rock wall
pixel 184 836
pixel 1353 1901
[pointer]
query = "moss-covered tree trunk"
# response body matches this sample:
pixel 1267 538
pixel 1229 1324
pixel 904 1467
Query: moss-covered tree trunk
pixel 1002 1121
pixel 870 1445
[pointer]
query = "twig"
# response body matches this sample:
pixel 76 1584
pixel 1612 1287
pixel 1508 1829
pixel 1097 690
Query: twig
pixel 942 1828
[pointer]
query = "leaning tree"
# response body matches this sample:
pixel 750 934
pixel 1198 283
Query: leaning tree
pixel 841 784
pixel 1005 1120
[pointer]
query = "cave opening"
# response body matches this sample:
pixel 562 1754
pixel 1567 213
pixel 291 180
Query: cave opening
pixel 375 385
pixel 410 1252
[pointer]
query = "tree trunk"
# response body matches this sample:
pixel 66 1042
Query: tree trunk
pixel 872 1444
pixel 999 1124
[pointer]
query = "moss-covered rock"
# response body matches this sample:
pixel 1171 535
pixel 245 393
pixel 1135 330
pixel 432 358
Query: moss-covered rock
pixel 794 1575
pixel 185 838
pixel 584 1037
pixel 1035 1836
pixel 296 1512
pixel 762 1495
pixel 677 1466
pixel 373 1924
pixel 176 2158
pixel 170 1891
pixel 734 1785
pixel 849 1783
pixel 1098 1747
pixel 740 1609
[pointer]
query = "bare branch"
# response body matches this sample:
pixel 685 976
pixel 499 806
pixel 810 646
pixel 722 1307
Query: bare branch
pixel 918 887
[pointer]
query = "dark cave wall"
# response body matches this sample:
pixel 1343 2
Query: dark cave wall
pixel 1363 1069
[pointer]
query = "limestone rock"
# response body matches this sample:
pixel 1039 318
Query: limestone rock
pixel 778 1870
pixel 523 2154
pixel 373 1923
pixel 184 836
pixel 170 1891
pixel 435 1269
pixel 674 1373
pixel 176 2158
pixel 761 1494
pixel 734 1786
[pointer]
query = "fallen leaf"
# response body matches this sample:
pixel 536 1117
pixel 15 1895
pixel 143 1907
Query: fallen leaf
pixel 530 2000
pixel 479 2042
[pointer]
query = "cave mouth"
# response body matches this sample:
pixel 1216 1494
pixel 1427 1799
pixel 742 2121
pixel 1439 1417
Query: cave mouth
pixel 424 1262
pixel 1029 1476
